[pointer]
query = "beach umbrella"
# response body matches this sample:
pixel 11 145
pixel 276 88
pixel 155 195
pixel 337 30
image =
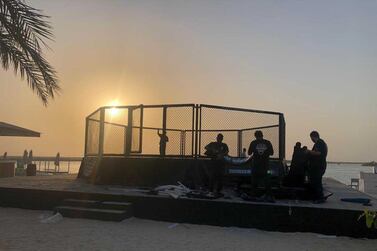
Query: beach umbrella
pixel 16 131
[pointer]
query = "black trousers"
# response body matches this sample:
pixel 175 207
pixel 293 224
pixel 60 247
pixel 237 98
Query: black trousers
pixel 295 177
pixel 215 170
pixel 315 175
pixel 259 176
pixel 162 149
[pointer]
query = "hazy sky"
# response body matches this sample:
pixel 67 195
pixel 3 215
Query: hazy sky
pixel 315 61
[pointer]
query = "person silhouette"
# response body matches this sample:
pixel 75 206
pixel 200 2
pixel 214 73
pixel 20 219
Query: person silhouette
pixel 261 150
pixel 216 167
pixel 298 168
pixel 25 159
pixel 163 140
pixel 317 166
pixel 57 161
pixel 30 157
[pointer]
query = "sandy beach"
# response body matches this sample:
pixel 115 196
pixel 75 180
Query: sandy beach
pixel 23 230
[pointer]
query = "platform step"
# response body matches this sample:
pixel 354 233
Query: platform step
pixel 112 205
pixel 93 209
pixel 93 213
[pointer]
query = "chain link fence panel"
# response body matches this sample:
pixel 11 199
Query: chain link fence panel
pixel 237 126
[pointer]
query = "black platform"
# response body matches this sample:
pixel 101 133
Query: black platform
pixel 153 171
pixel 332 218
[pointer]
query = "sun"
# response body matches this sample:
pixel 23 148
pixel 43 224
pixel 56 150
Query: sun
pixel 114 111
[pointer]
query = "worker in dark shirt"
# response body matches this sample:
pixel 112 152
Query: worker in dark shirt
pixel 163 140
pixel 261 150
pixel 216 168
pixel 298 168
pixel 317 167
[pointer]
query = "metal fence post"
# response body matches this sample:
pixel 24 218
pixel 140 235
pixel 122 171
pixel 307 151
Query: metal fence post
pixel 193 131
pixel 86 136
pixel 200 130
pixel 239 142
pixel 281 137
pixel 196 130
pixel 101 132
pixel 164 114
pixel 184 143
pixel 141 129
pixel 128 143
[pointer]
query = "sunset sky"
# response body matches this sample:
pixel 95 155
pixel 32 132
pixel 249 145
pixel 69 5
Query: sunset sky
pixel 315 61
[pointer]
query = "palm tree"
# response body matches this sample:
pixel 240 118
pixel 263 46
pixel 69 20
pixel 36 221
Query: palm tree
pixel 23 31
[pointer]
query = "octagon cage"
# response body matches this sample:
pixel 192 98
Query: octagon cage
pixel 134 130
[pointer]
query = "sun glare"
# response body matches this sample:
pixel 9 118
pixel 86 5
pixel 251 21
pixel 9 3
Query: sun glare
pixel 114 111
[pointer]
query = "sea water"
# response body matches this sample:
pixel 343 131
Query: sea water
pixel 344 172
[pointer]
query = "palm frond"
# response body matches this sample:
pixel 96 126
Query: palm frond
pixel 22 31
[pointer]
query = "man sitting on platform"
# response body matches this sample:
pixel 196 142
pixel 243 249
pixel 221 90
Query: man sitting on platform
pixel 216 150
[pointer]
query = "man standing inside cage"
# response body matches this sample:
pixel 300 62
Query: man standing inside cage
pixel 216 168
pixel 163 140
pixel 260 150
pixel 317 167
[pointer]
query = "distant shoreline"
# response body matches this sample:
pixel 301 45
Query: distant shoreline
pixel 349 163
pixel 371 163
pixel 346 162
pixel 43 158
